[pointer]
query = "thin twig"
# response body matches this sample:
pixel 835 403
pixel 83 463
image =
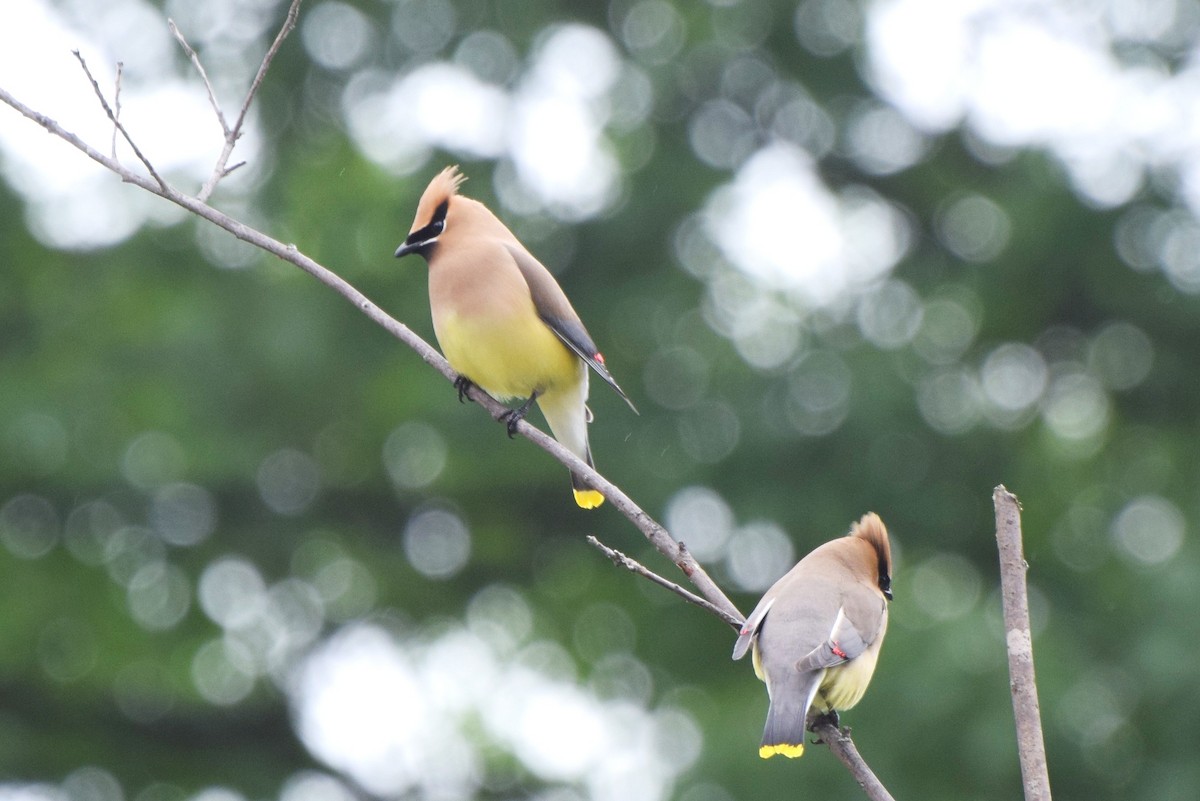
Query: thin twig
pixel 112 116
pixel 117 104
pixel 632 565
pixel 208 87
pixel 839 742
pixel 232 134
pixel 1031 746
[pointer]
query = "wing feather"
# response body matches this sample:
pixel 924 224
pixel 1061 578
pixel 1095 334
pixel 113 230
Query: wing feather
pixel 557 313
pixel 845 642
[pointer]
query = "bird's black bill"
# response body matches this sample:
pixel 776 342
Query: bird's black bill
pixel 421 240
pixel 410 247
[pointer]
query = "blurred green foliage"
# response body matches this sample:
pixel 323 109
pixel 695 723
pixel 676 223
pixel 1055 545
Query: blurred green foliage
pixel 130 371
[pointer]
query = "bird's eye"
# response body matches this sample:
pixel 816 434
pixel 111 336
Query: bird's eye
pixel 438 226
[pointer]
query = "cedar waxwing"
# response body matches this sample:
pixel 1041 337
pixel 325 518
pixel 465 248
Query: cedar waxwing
pixel 816 633
pixel 502 320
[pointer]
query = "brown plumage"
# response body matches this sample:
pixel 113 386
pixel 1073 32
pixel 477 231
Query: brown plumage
pixel 502 320
pixel 816 633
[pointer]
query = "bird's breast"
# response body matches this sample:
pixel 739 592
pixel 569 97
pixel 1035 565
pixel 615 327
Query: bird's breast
pixel 509 353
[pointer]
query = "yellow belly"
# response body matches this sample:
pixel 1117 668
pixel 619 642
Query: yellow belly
pixel 844 685
pixel 509 357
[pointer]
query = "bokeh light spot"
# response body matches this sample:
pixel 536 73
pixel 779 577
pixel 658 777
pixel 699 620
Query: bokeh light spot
pixel 759 553
pixel 948 327
pixel 1013 377
pixel 230 591
pixel 151 459
pixel 1149 530
pixel 950 401
pixel 889 315
pixel 1077 408
pixel 183 514
pixel 217 676
pixel 827 27
pixel 336 35
pixel 288 481
pixel 414 455
pixel 159 595
pixel 819 391
pixel 974 228
pixel 29 526
pixel 437 543
pixel 1121 355
pixel 700 518
pixel 500 616
pixel 67 649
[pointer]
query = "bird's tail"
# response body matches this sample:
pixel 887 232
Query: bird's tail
pixel 566 411
pixel 585 495
pixel 787 716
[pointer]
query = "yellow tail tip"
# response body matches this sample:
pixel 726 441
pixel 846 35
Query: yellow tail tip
pixel 588 498
pixel 786 749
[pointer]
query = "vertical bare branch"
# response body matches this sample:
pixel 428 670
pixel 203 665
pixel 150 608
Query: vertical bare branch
pixel 117 105
pixel 117 122
pixel 1031 746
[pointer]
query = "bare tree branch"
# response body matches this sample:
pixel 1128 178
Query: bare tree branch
pixel 117 104
pixel 112 116
pixel 839 742
pixel 632 565
pixel 208 87
pixel 1031 746
pixel 232 134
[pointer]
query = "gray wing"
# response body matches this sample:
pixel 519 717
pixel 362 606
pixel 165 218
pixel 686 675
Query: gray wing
pixel 557 313
pixel 750 628
pixel 854 629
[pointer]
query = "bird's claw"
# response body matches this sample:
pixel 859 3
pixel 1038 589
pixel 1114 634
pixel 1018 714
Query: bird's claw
pixel 511 419
pixel 514 416
pixel 463 385
pixel 830 717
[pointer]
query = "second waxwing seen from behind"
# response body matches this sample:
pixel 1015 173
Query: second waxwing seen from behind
pixel 502 321
pixel 816 634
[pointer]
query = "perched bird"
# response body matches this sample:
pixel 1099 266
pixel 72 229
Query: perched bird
pixel 503 322
pixel 816 633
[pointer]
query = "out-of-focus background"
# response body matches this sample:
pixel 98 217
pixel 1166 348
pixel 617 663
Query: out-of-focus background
pixel 844 256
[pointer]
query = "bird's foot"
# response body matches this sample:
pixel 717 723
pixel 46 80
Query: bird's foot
pixel 512 417
pixel 510 420
pixel 463 385
pixel 830 718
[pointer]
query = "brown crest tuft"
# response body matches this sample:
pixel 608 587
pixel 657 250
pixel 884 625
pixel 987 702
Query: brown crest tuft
pixel 871 529
pixel 437 196
pixel 446 183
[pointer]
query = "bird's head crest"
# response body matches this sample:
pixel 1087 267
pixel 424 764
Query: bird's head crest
pixel 436 196
pixel 432 210
pixel 445 184
pixel 871 529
